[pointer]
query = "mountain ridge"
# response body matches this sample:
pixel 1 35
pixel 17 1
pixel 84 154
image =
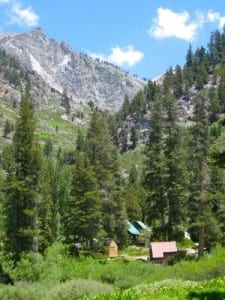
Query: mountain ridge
pixel 59 68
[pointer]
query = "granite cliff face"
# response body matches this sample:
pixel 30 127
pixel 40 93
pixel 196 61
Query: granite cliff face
pixel 55 68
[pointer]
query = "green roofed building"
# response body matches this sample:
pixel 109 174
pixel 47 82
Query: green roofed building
pixel 132 230
pixel 141 226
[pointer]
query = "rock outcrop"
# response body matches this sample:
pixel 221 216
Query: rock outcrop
pixel 55 68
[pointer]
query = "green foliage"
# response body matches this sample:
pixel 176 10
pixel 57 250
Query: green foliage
pixel 11 69
pixel 164 176
pixel 83 220
pixel 77 289
pixel 60 186
pixel 19 293
pixel 127 295
pixel 185 243
pixel 154 175
pixel 136 251
pixel 199 206
pixel 22 196
pixel 29 268
pixel 103 159
pixel 71 289
pixel 57 275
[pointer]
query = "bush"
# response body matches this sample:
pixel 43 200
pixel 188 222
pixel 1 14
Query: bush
pixel 20 292
pixel 127 295
pixel 76 289
pixel 29 268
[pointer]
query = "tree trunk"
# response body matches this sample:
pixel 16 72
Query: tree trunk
pixel 201 241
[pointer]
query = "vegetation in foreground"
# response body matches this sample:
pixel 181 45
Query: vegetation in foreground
pixel 58 275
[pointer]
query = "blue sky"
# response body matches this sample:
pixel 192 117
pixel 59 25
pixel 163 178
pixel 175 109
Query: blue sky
pixel 144 37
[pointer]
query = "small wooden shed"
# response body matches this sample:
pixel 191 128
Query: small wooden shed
pixel 112 249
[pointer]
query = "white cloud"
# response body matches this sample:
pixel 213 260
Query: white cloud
pixel 23 16
pixel 214 16
pixel 19 15
pixel 127 56
pixel 169 24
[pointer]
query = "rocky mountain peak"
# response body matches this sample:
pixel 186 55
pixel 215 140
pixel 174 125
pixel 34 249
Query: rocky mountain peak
pixel 57 67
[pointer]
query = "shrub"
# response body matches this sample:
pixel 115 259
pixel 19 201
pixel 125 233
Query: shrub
pixel 76 289
pixel 29 268
pixel 127 295
pixel 21 292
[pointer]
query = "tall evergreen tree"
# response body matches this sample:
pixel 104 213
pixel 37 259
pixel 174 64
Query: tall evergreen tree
pixel 101 151
pixel 215 227
pixel 102 155
pixel 198 205
pixel 175 170
pixel 22 191
pixel 133 137
pixel 178 82
pixel 83 216
pixel 155 175
pixel 59 177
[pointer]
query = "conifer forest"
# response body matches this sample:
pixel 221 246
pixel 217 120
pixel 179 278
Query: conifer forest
pixel 159 159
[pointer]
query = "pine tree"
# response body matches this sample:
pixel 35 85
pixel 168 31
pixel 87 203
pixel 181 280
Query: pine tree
pixel 165 170
pixel 83 217
pixel 59 177
pixel 178 82
pixel 22 192
pixel 80 143
pixel 189 57
pixel 216 198
pixel 101 151
pixel 201 76
pixel 155 174
pixel 134 196
pixel 175 170
pixel 133 137
pixel 221 94
pixel 45 208
pixel 198 204
pixel 103 158
pixel 214 106
pixel 123 139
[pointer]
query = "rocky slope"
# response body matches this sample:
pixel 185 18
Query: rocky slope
pixel 55 68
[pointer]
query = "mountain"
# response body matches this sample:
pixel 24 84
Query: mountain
pixel 55 68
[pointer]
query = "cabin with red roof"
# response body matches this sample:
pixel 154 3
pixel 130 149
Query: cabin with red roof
pixel 162 251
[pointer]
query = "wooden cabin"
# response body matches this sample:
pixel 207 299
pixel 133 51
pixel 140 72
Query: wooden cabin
pixel 161 252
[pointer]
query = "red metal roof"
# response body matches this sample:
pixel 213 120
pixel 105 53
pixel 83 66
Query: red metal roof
pixel 160 248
